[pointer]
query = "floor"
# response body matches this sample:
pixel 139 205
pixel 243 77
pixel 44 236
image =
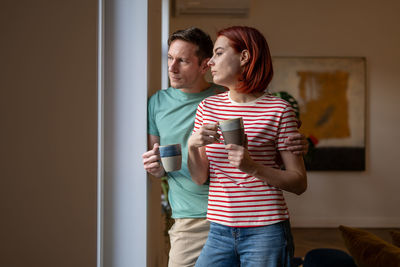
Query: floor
pixel 306 239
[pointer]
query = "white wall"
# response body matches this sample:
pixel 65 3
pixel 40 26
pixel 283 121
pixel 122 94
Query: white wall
pixel 340 28
pixel 124 237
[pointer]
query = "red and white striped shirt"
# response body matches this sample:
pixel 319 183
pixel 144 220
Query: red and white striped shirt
pixel 235 198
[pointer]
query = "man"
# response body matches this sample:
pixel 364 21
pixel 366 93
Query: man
pixel 171 116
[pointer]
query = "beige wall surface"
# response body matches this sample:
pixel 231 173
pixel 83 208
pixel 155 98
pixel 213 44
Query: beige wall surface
pixel 340 28
pixel 156 242
pixel 48 137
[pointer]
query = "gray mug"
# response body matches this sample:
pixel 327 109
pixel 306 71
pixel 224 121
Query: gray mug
pixel 233 131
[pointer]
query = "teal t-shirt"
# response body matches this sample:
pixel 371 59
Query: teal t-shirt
pixel 171 115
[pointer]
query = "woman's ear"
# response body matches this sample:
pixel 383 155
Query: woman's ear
pixel 244 57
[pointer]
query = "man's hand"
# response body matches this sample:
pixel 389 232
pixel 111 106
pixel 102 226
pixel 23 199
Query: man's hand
pixel 297 144
pixel 152 162
pixel 205 135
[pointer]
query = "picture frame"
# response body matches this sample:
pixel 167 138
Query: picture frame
pixel 331 96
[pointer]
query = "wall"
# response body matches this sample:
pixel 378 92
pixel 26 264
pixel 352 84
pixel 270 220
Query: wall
pixel 340 28
pixel 124 140
pixel 48 136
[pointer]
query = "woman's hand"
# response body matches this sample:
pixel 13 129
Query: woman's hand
pixel 239 157
pixel 205 135
pixel 197 158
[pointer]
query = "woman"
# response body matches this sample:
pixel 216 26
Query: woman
pixel 248 214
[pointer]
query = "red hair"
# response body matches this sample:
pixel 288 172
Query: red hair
pixel 257 72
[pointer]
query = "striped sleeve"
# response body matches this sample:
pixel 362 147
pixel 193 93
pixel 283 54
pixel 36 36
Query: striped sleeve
pixel 287 126
pixel 198 121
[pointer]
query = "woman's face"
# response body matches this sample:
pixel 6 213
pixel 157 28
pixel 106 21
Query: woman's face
pixel 225 64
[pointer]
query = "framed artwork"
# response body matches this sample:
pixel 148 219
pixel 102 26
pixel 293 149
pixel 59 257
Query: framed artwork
pixel 331 94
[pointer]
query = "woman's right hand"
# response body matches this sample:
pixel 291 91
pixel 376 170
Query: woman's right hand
pixel 197 158
pixel 205 135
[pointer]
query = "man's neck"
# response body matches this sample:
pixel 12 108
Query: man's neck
pixel 200 87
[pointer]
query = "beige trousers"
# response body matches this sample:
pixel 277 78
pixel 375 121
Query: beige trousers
pixel 187 237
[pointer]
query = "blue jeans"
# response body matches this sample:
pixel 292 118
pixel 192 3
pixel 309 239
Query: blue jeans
pixel 263 246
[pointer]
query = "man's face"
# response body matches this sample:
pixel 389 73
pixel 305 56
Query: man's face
pixel 184 69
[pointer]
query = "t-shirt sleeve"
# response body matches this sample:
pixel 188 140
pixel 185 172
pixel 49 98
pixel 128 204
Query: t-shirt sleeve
pixel 287 126
pixel 198 121
pixel 151 116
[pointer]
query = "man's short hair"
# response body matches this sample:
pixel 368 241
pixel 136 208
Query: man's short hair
pixel 197 37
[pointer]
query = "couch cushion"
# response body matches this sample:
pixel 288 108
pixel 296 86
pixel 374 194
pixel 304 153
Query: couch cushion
pixel 395 238
pixel 368 250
